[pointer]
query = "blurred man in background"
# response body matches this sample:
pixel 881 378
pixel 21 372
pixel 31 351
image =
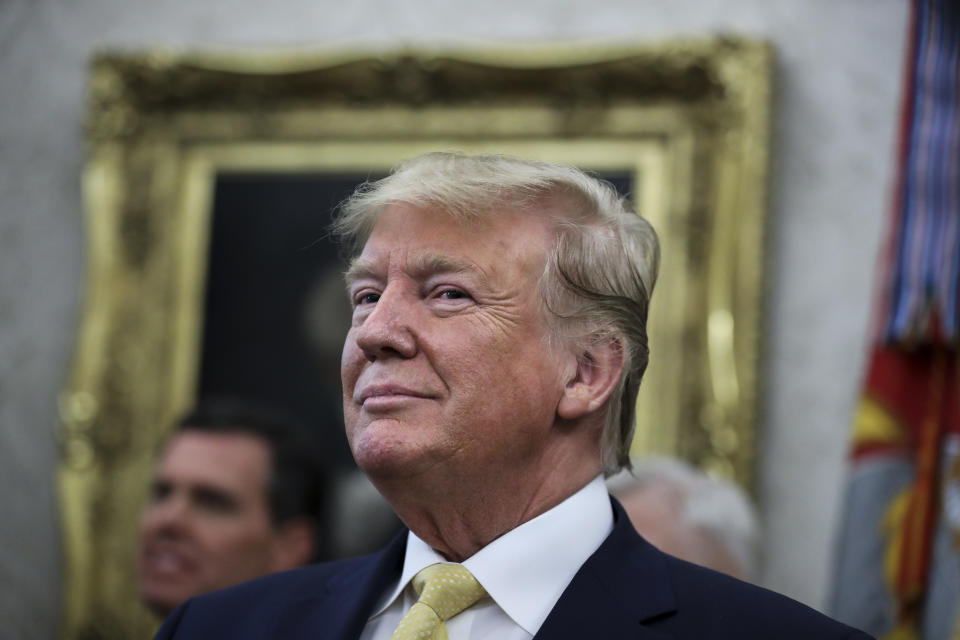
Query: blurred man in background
pixel 237 493
pixel 686 513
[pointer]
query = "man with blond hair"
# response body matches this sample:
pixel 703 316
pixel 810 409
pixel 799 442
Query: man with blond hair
pixel 489 380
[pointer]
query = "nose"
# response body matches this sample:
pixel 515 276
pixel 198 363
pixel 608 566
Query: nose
pixel 166 516
pixel 387 331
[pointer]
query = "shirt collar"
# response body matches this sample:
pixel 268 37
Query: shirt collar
pixel 526 570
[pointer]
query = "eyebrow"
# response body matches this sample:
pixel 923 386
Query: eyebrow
pixel 432 263
pixel 421 266
pixel 359 268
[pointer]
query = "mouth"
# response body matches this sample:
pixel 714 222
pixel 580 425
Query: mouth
pixel 165 563
pixel 387 395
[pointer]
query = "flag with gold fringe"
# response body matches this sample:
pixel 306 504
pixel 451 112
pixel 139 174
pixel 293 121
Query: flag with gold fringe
pixel 897 563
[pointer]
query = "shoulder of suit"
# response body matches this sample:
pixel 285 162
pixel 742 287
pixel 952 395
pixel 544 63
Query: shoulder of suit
pixel 741 604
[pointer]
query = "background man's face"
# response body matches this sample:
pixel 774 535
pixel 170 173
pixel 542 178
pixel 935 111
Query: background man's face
pixel 207 525
pixel 446 365
pixel 655 513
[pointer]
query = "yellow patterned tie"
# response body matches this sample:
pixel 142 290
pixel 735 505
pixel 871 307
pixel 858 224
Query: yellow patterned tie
pixel 445 590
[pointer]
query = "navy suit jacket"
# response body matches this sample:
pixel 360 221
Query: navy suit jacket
pixel 626 589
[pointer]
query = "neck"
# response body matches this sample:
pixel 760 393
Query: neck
pixel 472 510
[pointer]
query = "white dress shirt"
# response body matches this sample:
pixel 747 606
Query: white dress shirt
pixel 523 571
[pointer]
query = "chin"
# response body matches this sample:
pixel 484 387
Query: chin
pixel 160 604
pixel 378 461
pixel 382 452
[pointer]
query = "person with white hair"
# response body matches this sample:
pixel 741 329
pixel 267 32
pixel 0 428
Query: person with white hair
pixel 691 515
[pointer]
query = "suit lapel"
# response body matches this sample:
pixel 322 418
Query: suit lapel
pixel 339 608
pixel 622 586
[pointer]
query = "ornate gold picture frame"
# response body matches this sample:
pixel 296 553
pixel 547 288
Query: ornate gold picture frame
pixel 687 122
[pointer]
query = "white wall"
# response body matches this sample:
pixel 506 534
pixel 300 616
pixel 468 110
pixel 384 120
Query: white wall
pixel 838 84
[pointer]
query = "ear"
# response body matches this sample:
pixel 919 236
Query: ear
pixel 595 378
pixel 294 544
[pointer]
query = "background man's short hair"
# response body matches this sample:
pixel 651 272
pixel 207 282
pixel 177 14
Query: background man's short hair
pixel 299 484
pixel 599 276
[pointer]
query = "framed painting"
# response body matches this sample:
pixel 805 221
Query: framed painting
pixel 208 187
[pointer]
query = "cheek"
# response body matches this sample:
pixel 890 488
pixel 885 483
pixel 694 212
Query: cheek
pixel 352 362
pixel 347 362
pixel 145 523
pixel 151 523
pixel 235 548
pixel 520 388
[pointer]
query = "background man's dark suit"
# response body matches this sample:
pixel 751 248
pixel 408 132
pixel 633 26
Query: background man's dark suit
pixel 627 589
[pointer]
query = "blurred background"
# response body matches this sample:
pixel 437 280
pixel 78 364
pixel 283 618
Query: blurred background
pixel 837 87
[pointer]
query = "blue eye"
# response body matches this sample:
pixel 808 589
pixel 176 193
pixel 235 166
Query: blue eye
pixel 453 294
pixel 368 298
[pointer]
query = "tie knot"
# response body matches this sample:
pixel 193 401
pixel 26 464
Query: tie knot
pixel 447 588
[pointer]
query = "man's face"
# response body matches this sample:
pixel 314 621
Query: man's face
pixel 207 525
pixel 446 366
pixel 655 513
